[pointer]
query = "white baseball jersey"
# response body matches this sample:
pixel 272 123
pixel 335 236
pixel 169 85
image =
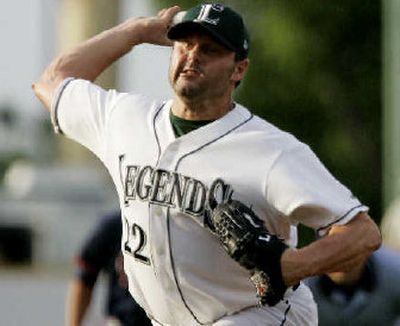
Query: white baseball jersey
pixel 178 271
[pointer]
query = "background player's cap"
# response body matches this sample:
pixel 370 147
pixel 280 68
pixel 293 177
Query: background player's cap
pixel 221 22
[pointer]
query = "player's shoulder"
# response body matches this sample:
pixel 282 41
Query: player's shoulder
pixel 264 132
pixel 140 103
pixel 114 100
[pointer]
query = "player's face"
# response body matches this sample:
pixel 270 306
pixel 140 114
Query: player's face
pixel 202 67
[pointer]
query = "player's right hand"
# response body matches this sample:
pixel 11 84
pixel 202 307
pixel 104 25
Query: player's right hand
pixel 154 29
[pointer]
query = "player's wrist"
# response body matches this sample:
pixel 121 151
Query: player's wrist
pixel 292 273
pixel 134 29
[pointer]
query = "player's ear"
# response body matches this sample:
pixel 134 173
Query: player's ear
pixel 240 70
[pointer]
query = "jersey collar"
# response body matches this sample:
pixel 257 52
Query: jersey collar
pixel 176 149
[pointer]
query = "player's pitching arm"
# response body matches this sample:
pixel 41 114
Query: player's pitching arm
pixel 90 58
pixel 344 248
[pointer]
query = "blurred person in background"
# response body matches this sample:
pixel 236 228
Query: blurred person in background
pixel 367 295
pixel 101 252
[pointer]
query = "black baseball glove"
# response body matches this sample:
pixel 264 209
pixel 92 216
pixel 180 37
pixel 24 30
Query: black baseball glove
pixel 246 239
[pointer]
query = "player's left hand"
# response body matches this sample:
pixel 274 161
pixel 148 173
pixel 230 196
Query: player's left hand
pixel 244 237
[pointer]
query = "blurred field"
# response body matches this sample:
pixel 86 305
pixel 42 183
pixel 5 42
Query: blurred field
pixel 36 297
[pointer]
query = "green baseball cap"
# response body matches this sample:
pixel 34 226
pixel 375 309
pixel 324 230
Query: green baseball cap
pixel 222 23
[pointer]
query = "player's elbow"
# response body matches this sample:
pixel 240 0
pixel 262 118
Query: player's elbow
pixel 361 235
pixel 376 240
pixel 46 86
pixel 371 234
pixel 42 92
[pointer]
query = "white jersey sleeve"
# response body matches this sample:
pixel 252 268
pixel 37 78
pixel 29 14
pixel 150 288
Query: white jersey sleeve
pixel 80 110
pixel 302 188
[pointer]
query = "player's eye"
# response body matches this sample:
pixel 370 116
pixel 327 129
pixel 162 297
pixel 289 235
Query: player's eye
pixel 214 49
pixel 210 50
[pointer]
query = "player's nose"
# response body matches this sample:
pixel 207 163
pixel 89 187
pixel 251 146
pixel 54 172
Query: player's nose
pixel 194 53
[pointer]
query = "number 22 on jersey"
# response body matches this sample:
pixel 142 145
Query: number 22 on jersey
pixel 136 240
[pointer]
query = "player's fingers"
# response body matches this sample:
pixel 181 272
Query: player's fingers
pixel 171 12
pixel 161 12
pixel 159 25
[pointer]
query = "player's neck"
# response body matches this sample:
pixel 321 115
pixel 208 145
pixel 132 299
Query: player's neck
pixel 201 110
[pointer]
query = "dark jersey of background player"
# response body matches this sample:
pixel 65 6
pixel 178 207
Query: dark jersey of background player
pixel 373 299
pixel 102 252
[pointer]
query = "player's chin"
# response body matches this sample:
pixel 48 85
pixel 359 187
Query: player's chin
pixel 185 82
pixel 187 90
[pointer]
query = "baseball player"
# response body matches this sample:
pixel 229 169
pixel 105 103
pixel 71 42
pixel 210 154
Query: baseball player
pixel 210 193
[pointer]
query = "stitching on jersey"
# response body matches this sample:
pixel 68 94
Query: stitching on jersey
pixel 174 273
pixel 286 313
pixel 212 141
pixel 153 319
pixel 54 110
pixel 235 313
pixel 340 218
pixel 158 160
pixel 256 306
pixel 168 210
pixel 155 133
